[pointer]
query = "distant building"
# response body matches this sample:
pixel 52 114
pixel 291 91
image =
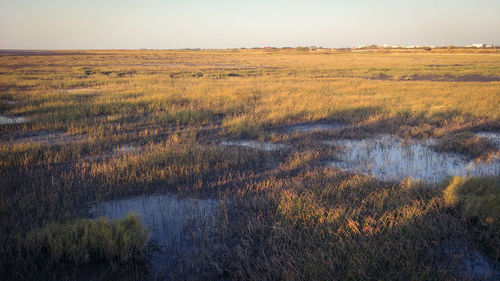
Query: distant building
pixel 480 45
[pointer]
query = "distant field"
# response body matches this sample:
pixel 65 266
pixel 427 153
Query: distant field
pixel 85 127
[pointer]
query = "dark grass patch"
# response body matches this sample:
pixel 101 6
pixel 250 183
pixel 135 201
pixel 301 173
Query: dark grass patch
pixel 477 203
pixel 453 78
pixel 465 143
pixel 438 78
pixel 78 245
pixel 320 224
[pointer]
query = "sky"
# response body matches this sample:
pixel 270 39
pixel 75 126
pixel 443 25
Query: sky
pixel 156 24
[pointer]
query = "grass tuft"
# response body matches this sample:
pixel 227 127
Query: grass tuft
pixel 86 241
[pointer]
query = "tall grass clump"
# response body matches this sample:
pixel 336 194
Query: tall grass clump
pixel 477 202
pixel 86 241
pixel 466 143
pixel 82 249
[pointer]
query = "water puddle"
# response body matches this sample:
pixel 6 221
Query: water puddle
pixel 173 222
pixel 116 152
pixel 493 137
pixel 472 264
pixel 390 158
pixel 126 148
pixel 265 146
pixel 313 127
pixel 12 120
pixel 47 138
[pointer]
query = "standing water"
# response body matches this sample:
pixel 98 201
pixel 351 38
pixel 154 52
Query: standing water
pixel 313 127
pixel 390 158
pixel 265 146
pixel 470 263
pixel 12 120
pixel 174 223
pixel 493 137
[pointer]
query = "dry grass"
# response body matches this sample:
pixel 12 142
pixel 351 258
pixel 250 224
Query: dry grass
pixel 285 217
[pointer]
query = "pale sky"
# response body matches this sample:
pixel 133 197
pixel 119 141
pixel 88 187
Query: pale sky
pixel 156 24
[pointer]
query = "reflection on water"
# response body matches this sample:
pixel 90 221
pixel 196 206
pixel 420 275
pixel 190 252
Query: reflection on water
pixel 265 146
pixel 45 138
pixel 472 264
pixel 389 158
pixel 493 137
pixel 173 222
pixel 12 120
pixel 126 148
pixel 309 127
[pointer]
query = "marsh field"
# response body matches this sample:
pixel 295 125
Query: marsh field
pixel 250 164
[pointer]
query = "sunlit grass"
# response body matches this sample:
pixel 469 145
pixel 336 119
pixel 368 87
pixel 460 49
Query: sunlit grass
pixel 284 215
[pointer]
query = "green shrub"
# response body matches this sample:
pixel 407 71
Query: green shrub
pixel 87 241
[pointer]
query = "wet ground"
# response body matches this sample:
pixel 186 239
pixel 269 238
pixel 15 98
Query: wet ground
pixel 174 222
pixel 388 157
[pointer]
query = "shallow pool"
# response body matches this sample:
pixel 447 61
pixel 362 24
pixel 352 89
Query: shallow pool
pixel 390 158
pixel 12 120
pixel 177 224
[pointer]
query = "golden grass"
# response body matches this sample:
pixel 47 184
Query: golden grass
pixel 286 216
